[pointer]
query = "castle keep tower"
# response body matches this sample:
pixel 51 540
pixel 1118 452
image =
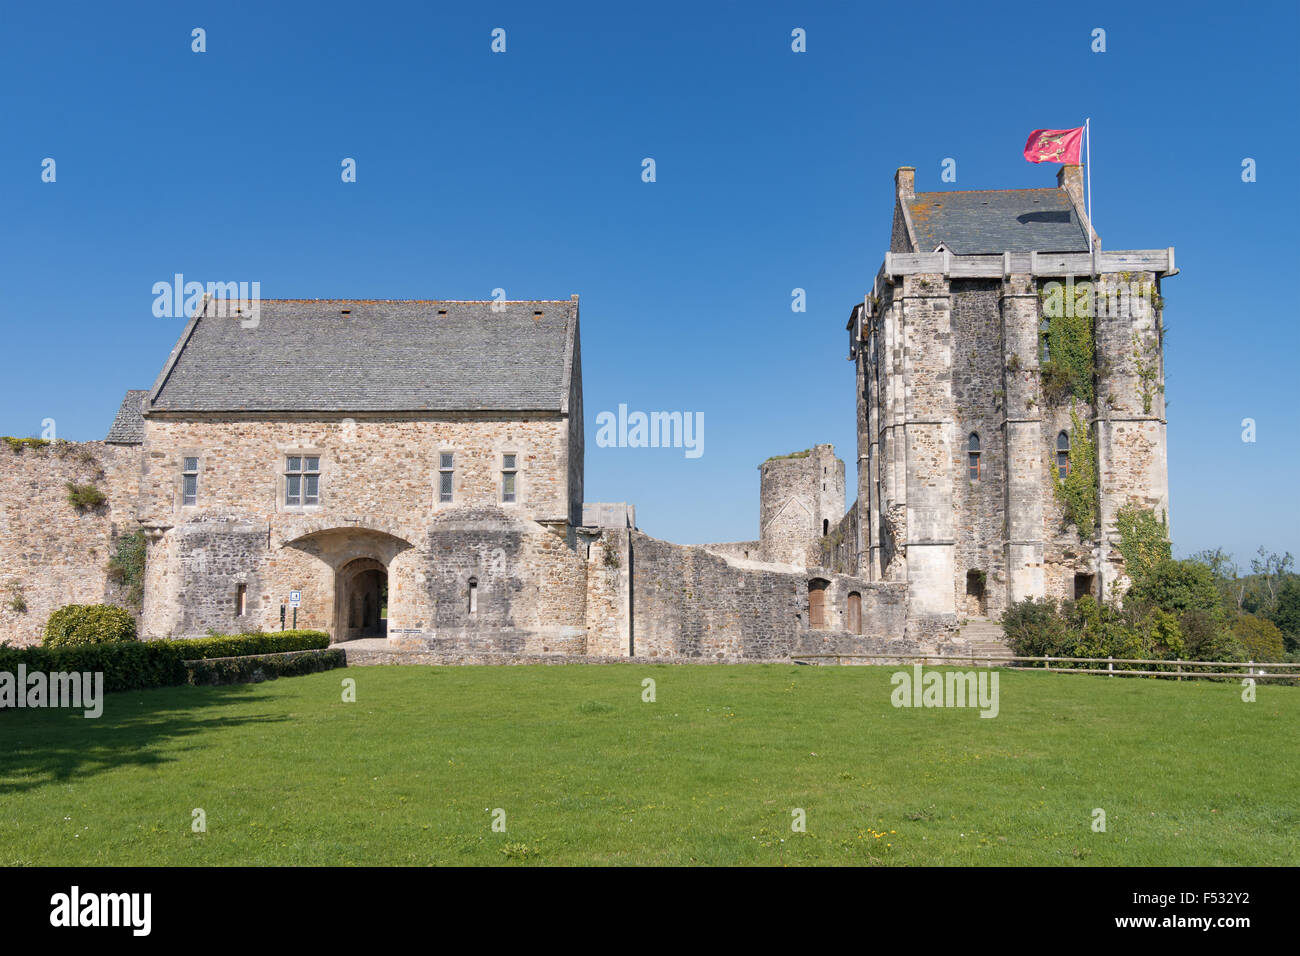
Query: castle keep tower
pixel 1010 399
pixel 801 499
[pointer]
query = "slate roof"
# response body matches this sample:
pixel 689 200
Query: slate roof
pixel 128 426
pixel 992 221
pixel 375 355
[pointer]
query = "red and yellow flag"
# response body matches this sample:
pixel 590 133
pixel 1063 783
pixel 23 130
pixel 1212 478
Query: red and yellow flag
pixel 1054 145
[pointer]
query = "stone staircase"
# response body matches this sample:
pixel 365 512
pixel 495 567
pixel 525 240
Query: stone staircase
pixel 983 637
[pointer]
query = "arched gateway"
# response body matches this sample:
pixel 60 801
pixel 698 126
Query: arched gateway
pixel 359 561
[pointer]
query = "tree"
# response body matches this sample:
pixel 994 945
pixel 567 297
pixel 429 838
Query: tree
pixel 1227 576
pixel 1259 639
pixel 1270 569
pixel 1286 613
pixel 1177 586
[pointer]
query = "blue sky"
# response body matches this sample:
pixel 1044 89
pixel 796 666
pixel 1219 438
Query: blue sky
pixel 522 171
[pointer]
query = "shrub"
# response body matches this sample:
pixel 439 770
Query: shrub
pixel 1176 586
pixel 85 497
pixel 1163 634
pixel 89 624
pixel 238 645
pixel 255 668
pixel 1207 636
pixel 1035 629
pixel 134 665
pixel 16 445
pixel 1260 639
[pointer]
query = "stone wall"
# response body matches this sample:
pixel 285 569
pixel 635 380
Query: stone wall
pixel 379 502
pixel 979 503
pixel 800 498
pixel 375 465
pixel 608 554
pixel 688 602
pixel 51 553
pixel 745 550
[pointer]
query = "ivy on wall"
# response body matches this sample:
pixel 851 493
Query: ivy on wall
pixel 1078 491
pixel 126 567
pixel 1071 346
pixel 1146 363
pixel 1143 539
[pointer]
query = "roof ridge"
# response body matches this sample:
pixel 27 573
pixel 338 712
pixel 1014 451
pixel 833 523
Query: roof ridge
pixel 1018 189
pixel 428 301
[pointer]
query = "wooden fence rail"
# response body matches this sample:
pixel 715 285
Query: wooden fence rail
pixel 1174 669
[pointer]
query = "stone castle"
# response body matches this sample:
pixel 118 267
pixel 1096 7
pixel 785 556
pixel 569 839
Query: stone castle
pixel 412 471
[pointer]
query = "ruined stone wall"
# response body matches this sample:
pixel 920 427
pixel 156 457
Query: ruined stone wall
pixel 690 603
pixel 839 549
pixel 609 608
pixel 800 498
pixel 745 550
pixel 51 553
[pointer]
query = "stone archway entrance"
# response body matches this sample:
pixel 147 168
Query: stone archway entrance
pixel 361 599
pixel 354 578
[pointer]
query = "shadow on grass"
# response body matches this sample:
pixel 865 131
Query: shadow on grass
pixel 40 747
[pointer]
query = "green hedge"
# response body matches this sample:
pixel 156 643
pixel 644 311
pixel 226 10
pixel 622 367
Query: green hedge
pixel 126 666
pixel 138 664
pixel 238 645
pixel 254 668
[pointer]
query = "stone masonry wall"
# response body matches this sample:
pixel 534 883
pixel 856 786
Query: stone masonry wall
pixel 978 503
pixel 51 553
pixel 690 603
pixel 371 466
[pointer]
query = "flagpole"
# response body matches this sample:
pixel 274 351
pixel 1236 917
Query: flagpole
pixel 1087 133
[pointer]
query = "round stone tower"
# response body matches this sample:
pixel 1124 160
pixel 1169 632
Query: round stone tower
pixel 800 500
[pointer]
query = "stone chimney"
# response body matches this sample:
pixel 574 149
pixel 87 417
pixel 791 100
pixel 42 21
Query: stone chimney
pixel 1070 178
pixel 905 182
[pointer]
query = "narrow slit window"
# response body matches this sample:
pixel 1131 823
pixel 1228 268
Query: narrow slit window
pixel 190 482
pixel 1063 455
pixel 446 470
pixel 241 599
pixel 509 474
pixel 473 595
pixel 973 456
pixel 302 480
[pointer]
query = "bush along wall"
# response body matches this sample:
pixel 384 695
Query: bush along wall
pixel 260 667
pixel 135 665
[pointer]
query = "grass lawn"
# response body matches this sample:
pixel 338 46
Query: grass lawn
pixel 287 773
